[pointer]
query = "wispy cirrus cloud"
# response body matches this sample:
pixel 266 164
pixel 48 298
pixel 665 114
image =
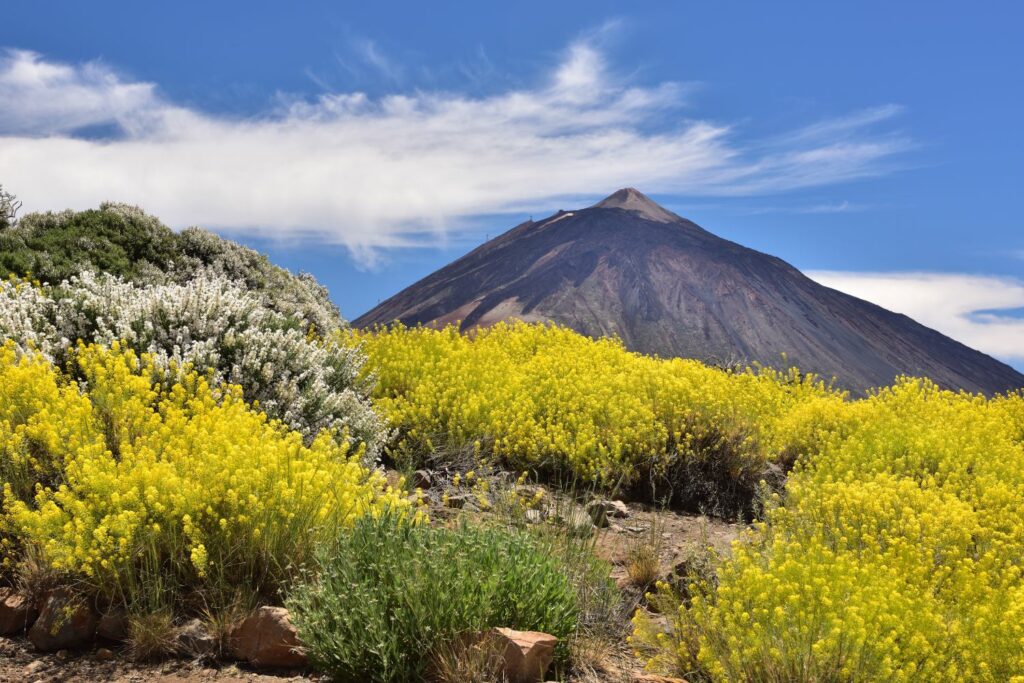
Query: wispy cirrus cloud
pixel 978 310
pixel 404 169
pixel 833 207
pixel 362 60
pixel 843 206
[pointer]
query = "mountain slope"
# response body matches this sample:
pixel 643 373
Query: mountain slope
pixel 628 267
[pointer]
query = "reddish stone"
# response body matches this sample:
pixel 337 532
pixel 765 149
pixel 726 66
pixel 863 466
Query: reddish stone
pixel 113 626
pixel 526 655
pixel 17 613
pixel 655 678
pixel 267 638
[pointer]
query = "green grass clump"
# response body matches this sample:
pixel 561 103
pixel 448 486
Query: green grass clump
pixel 388 596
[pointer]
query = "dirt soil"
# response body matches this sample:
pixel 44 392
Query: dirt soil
pixel 676 536
pixel 20 663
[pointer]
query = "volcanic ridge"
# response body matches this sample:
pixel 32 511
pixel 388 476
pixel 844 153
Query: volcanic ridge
pixel 629 267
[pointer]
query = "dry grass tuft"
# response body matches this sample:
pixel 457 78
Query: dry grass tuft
pixel 599 659
pixel 643 560
pixel 468 660
pixel 643 565
pixel 220 623
pixel 34 577
pixel 151 636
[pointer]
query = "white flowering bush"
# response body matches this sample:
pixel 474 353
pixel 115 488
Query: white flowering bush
pixel 124 240
pixel 26 313
pixel 309 382
pixel 295 296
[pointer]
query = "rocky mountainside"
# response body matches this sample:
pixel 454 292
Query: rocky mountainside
pixel 628 267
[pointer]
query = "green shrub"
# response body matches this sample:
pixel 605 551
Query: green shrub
pixel 387 596
pixel 125 242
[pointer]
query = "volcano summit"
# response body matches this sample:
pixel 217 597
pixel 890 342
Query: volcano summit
pixel 629 267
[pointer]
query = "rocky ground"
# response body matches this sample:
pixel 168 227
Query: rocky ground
pixel 20 663
pixel 622 533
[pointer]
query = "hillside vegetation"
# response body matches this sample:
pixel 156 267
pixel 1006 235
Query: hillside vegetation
pixel 189 432
pixel 210 323
pixel 543 398
pixel 124 241
pixel 894 552
pixel 186 434
pixel 148 485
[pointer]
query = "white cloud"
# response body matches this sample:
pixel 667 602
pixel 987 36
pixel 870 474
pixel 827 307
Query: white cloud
pixel 844 206
pixel 43 98
pixel 964 307
pixel 839 207
pixel 396 170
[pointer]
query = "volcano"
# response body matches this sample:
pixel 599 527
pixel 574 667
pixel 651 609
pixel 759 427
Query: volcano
pixel 630 268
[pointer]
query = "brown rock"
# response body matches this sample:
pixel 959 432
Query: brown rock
pixel 459 500
pixel 267 638
pixel 601 511
pixel 104 655
pixel 16 612
pixel 195 640
pixel 421 479
pixel 66 621
pixel 113 626
pixel 655 678
pixel 598 513
pixel 618 509
pixel 577 521
pixel 34 667
pixel 526 655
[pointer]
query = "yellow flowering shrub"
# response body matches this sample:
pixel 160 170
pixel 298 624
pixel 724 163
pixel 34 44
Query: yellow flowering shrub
pixel 43 421
pixel 168 484
pixel 895 554
pixel 544 397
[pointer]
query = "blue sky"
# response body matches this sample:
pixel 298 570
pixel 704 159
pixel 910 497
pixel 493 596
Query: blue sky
pixel 877 145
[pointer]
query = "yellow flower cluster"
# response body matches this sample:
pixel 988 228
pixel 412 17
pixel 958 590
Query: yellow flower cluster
pixel 43 422
pixel 146 477
pixel 540 396
pixel 896 554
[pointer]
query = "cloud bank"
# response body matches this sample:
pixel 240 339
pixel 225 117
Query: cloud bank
pixel 398 170
pixel 973 309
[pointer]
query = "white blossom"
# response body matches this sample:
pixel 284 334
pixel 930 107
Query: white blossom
pixel 212 322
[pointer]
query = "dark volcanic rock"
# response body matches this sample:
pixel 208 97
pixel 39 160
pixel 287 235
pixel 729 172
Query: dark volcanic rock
pixel 66 621
pixel 665 286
